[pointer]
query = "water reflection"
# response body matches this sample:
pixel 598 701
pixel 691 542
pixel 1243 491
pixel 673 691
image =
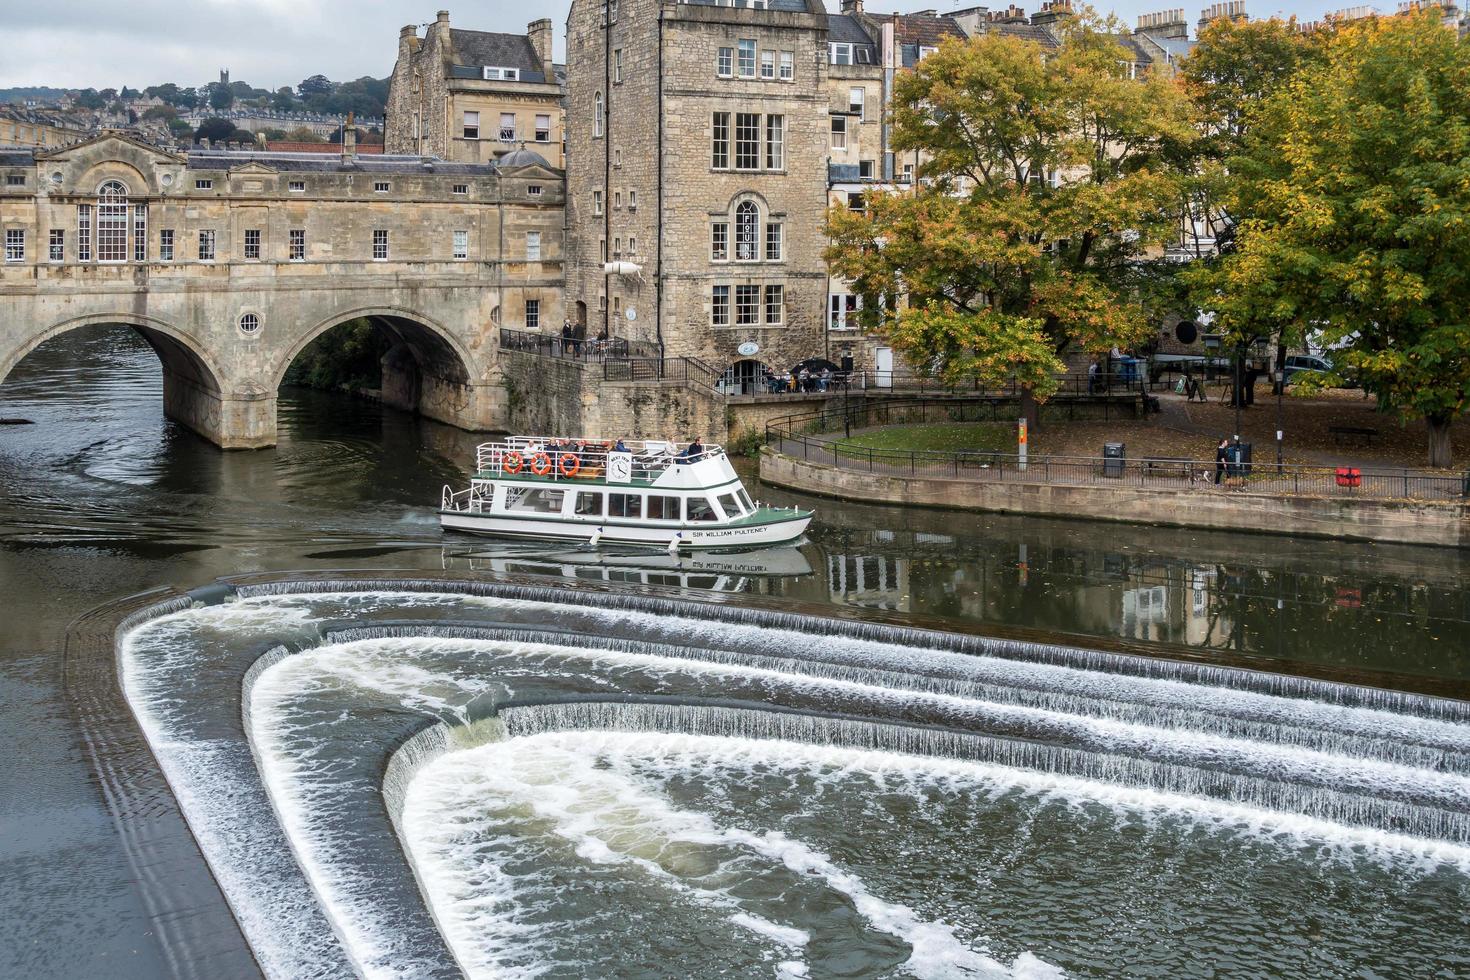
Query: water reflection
pixel 103 497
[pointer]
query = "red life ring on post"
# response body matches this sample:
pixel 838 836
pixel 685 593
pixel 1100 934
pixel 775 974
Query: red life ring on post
pixel 541 464
pixel 569 464
pixel 512 462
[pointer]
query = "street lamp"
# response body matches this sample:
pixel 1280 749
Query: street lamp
pixel 1280 378
pixel 1238 393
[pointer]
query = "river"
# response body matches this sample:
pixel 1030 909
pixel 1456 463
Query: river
pixel 100 497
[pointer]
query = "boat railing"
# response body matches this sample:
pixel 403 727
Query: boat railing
pixel 451 499
pixel 552 459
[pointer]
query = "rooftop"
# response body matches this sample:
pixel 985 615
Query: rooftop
pixel 491 49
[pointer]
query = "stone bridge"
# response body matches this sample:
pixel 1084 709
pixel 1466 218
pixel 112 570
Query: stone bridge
pixel 229 264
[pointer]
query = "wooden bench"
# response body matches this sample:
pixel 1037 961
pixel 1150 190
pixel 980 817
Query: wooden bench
pixel 1360 433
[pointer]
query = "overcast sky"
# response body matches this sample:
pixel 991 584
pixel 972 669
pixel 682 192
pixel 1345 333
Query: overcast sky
pixel 270 43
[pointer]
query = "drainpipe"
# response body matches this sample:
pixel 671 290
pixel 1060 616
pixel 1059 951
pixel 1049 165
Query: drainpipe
pixel 658 219
pixel 607 102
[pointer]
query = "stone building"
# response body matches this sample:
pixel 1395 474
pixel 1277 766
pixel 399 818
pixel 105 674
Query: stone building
pixel 230 262
pixel 41 128
pixel 473 96
pixel 697 136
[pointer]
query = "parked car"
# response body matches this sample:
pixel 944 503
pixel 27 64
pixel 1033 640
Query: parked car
pixel 1297 363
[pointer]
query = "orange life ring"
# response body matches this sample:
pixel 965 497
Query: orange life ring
pixel 569 464
pixel 512 462
pixel 541 464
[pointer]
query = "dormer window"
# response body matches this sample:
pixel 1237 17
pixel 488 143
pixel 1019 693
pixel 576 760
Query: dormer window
pixel 501 74
pixel 840 53
pixel 925 51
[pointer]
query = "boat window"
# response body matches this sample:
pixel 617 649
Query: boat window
pixel 538 500
pixel 661 508
pixel 729 505
pixel 589 504
pixel 700 509
pixel 624 505
pixel 745 499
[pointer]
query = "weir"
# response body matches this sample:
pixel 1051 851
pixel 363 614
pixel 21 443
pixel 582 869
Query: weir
pixel 364 754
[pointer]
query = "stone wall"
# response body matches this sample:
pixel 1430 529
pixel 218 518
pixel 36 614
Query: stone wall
pixel 1399 521
pixel 564 397
pixel 221 371
pixel 658 138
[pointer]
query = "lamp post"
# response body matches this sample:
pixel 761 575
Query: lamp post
pixel 1280 379
pixel 846 413
pixel 1237 393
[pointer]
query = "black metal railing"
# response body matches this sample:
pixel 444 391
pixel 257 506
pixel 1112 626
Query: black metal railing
pixel 659 369
pixel 819 437
pixel 554 345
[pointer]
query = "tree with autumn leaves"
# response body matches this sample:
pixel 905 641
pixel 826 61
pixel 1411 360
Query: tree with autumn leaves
pixel 1353 192
pixel 1049 176
pixel 1335 167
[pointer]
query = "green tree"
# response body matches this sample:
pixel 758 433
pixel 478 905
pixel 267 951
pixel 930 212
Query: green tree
pixel 220 96
pixel 1231 69
pixel 314 86
pixel 173 95
pixel 1046 181
pixel 215 129
pixel 1355 192
pixel 90 98
pixel 284 100
pixel 365 96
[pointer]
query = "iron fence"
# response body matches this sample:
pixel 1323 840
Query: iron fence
pixel 653 369
pixel 819 437
pixel 554 345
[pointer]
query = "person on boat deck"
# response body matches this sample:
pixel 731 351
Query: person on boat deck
pixel 692 451
pixel 619 447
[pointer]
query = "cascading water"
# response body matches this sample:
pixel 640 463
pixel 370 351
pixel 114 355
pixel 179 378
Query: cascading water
pixel 596 784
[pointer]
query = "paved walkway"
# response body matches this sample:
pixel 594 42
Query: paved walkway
pixel 1190 476
pixel 1173 413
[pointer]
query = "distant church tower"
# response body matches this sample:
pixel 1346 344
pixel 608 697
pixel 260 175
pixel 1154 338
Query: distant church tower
pixel 224 77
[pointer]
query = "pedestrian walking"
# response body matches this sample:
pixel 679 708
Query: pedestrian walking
pixel 1222 453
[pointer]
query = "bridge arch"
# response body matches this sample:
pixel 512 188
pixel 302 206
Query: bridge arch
pixel 158 333
pixel 428 369
pixel 193 381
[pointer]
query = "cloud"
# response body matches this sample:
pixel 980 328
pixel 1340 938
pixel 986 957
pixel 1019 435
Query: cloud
pixel 268 43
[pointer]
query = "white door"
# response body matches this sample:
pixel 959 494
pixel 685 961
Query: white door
pixel 883 367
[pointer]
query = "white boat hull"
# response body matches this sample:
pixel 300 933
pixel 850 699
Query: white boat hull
pixel 684 538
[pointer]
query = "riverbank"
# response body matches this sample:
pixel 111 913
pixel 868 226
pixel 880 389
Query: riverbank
pixel 1437 523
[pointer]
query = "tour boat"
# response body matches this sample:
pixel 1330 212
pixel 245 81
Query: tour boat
pixel 644 493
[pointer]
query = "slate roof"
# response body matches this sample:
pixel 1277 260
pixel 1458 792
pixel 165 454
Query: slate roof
pixel 845 29
pixel 479 49
pixel 326 163
pixel 925 30
pixel 790 6
pixel 1030 32
pixel 522 158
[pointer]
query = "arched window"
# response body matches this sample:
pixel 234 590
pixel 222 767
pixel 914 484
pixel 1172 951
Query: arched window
pixel 597 117
pixel 112 222
pixel 747 231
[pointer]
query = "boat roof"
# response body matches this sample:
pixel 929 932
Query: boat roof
pixel 657 464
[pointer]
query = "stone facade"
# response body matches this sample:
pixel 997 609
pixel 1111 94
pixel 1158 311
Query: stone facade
pixel 646 84
pixel 230 263
pixel 551 396
pixel 473 96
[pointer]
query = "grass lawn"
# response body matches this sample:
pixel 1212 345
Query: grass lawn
pixel 948 437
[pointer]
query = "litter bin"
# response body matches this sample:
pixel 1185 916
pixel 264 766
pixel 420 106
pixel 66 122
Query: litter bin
pixel 1238 456
pixel 1113 455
